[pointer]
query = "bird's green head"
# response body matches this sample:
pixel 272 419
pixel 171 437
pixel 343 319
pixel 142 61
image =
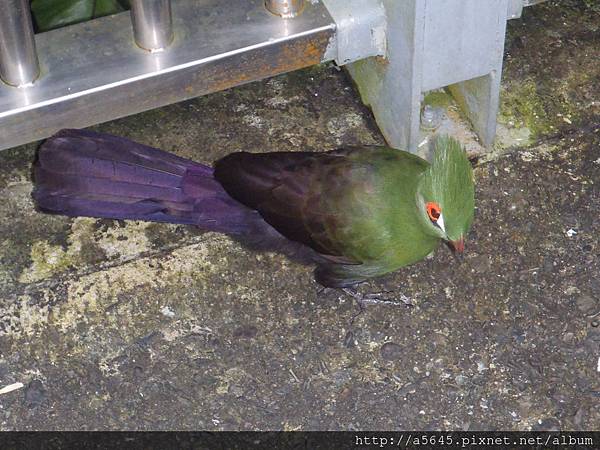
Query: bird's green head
pixel 446 195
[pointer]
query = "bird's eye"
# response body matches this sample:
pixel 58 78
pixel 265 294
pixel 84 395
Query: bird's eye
pixel 433 211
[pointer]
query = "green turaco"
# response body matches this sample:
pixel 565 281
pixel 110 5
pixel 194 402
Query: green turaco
pixel 360 212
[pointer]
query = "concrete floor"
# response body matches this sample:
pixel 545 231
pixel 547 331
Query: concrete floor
pixel 130 325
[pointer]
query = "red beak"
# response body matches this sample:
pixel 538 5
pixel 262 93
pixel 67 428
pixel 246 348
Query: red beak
pixel 459 245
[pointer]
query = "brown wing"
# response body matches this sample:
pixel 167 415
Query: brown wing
pixel 287 189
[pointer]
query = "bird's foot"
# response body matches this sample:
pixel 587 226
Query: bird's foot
pixel 378 298
pixel 323 290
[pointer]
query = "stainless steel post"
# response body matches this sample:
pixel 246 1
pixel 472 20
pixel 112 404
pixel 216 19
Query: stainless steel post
pixel 18 59
pixel 285 8
pixel 152 24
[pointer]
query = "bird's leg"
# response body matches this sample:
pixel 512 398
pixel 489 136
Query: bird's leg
pixel 377 298
pixel 374 298
pixel 323 290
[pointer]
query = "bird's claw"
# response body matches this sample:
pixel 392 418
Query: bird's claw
pixel 378 298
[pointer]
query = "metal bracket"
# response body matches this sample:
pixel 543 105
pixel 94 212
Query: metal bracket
pixel 360 30
pixel 433 44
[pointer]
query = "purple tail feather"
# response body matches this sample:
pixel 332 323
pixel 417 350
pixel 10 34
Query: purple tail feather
pixel 84 173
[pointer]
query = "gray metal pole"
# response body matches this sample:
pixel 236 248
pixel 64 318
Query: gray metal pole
pixel 285 8
pixel 18 59
pixel 152 24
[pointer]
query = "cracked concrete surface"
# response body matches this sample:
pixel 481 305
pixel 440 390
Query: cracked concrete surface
pixel 131 325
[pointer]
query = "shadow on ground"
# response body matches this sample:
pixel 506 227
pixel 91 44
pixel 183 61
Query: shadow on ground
pixel 129 325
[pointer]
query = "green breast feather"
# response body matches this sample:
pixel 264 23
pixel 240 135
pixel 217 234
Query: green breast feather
pixel 377 223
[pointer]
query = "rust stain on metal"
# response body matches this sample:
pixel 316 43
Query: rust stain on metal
pixel 204 79
pixel 266 62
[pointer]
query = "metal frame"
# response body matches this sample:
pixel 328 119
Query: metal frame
pixel 93 72
pixel 395 50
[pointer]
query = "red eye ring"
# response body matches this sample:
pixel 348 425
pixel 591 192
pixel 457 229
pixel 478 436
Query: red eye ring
pixel 433 211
